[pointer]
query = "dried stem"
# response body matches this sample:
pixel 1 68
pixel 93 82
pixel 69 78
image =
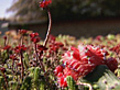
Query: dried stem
pixel 49 29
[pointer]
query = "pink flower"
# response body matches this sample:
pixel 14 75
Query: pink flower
pixel 45 3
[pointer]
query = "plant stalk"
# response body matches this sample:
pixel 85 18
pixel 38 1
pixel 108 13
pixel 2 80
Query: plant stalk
pixel 49 28
pixel 37 57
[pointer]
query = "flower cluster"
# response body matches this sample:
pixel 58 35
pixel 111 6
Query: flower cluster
pixel 45 3
pixel 20 48
pixel 112 63
pixel 7 47
pixel 116 49
pixel 35 37
pixel 79 62
pixel 22 31
pixel 13 57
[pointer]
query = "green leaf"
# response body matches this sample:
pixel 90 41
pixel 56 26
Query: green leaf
pixel 27 84
pixel 96 74
pixel 104 78
pixel 109 81
pixel 36 73
pixel 71 84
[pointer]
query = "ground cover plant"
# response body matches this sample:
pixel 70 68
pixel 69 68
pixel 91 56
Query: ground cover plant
pixel 58 63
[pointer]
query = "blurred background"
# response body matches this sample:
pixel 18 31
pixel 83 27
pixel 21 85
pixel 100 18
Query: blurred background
pixel 70 17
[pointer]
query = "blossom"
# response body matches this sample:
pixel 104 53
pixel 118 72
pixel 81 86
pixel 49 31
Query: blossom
pixel 20 48
pixel 23 31
pixel 112 63
pixel 45 3
pixel 35 37
pixel 41 47
pixel 13 57
pixel 35 40
pixel 7 47
pixel 78 62
pixel 5 37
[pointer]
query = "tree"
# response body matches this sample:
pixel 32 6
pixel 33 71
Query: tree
pixel 27 10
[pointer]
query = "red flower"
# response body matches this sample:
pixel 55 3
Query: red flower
pixel 45 3
pixel 33 35
pixel 58 69
pixel 13 57
pixel 22 31
pixel 79 62
pixel 5 37
pixel 62 81
pixel 71 72
pixel 35 40
pixel 7 47
pixel 112 63
pixel 20 48
pixel 41 47
pixel 116 49
pixel 99 38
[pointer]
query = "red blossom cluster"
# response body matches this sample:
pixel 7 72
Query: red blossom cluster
pixel 20 48
pixel 112 63
pixel 54 46
pixel 22 31
pixel 45 3
pixel 78 62
pixel 35 37
pixel 7 47
pixel 13 57
pixel 116 49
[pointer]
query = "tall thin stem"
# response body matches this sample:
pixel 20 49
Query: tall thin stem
pixel 21 59
pixel 22 67
pixel 5 80
pixel 37 57
pixel 49 28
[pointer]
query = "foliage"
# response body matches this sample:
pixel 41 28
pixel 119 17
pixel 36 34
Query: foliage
pixel 27 10
pixel 35 77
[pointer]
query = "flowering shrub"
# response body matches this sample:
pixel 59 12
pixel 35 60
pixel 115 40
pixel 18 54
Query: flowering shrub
pixel 28 63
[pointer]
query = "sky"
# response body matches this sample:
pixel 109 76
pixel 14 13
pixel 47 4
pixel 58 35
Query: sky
pixel 4 5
